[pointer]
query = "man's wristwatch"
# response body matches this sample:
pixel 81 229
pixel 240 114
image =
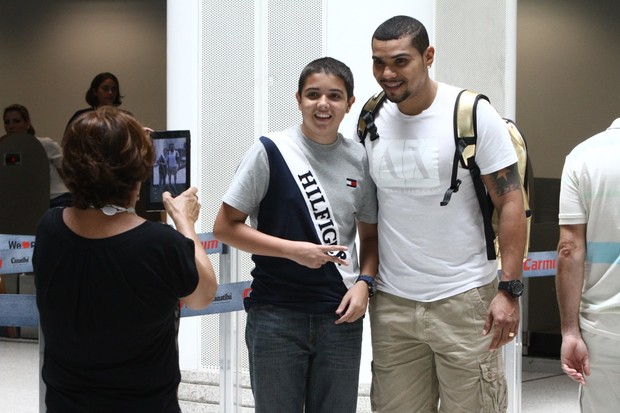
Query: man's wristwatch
pixel 372 285
pixel 513 287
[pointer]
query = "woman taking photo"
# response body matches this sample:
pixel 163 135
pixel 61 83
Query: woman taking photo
pixel 109 282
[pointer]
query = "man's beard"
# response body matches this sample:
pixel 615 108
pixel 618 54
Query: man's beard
pixel 398 98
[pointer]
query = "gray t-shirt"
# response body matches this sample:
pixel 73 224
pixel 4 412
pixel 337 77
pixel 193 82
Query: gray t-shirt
pixel 264 189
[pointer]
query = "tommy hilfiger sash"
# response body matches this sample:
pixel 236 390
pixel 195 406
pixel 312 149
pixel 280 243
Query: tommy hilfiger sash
pixel 316 200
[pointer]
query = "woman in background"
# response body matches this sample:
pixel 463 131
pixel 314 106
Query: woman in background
pixel 17 120
pixel 104 90
pixel 109 282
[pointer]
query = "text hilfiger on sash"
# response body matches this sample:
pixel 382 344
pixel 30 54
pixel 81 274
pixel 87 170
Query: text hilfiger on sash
pixel 320 210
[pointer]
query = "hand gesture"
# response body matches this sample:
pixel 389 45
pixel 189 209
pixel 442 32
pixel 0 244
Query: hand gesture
pixel 316 255
pixel 184 209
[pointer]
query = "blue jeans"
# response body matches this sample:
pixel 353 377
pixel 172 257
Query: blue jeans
pixel 299 359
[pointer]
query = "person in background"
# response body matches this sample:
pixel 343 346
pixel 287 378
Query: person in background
pixel 161 168
pixel 173 159
pixel 17 120
pixel 588 270
pixel 439 318
pixel 104 90
pixel 109 282
pixel 306 190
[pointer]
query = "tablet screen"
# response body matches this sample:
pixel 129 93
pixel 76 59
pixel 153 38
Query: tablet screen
pixel 170 169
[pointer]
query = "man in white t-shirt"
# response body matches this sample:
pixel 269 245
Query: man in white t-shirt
pixel 588 276
pixel 438 320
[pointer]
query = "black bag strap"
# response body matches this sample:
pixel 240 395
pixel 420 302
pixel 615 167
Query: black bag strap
pixel 366 120
pixel 465 137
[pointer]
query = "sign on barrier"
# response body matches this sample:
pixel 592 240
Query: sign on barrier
pixel 21 309
pixel 539 264
pixel 16 251
pixel 229 297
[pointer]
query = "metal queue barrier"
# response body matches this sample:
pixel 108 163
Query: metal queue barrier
pixel 21 310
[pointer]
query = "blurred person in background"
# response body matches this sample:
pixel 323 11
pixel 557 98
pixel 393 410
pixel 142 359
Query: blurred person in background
pixel 17 120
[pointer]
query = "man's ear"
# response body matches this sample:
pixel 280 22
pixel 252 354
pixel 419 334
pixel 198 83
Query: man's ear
pixel 429 56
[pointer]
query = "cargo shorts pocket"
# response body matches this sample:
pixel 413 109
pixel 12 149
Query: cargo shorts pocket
pixel 494 393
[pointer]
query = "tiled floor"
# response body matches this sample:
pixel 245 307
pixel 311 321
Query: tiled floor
pixel 544 389
pixel 19 376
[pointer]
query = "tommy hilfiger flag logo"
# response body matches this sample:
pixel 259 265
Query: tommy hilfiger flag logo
pixel 352 183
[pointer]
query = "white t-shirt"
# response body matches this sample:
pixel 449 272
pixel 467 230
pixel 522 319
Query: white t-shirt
pixel 590 194
pixel 54 155
pixel 426 251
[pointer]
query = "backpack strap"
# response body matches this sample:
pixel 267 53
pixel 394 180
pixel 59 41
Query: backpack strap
pixel 524 162
pixel 465 136
pixel 366 120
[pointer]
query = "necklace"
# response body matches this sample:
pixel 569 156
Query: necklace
pixel 111 210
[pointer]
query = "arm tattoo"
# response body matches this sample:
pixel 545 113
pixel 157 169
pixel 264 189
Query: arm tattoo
pixel 506 180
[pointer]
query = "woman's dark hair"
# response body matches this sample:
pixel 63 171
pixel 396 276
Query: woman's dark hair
pixel 91 99
pixel 23 112
pixel 106 154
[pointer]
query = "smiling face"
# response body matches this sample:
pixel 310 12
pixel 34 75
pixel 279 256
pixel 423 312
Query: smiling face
pixel 15 123
pixel 323 103
pixel 402 72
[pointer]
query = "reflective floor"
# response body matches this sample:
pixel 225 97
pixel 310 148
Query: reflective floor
pixel 545 388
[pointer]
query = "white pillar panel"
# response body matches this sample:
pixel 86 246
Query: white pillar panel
pixel 182 113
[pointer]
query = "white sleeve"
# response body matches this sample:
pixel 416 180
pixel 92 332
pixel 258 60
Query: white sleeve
pixel 251 180
pixel 572 210
pixel 495 150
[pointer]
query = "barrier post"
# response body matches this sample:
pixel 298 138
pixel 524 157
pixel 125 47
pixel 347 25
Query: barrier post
pixel 512 353
pixel 230 380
